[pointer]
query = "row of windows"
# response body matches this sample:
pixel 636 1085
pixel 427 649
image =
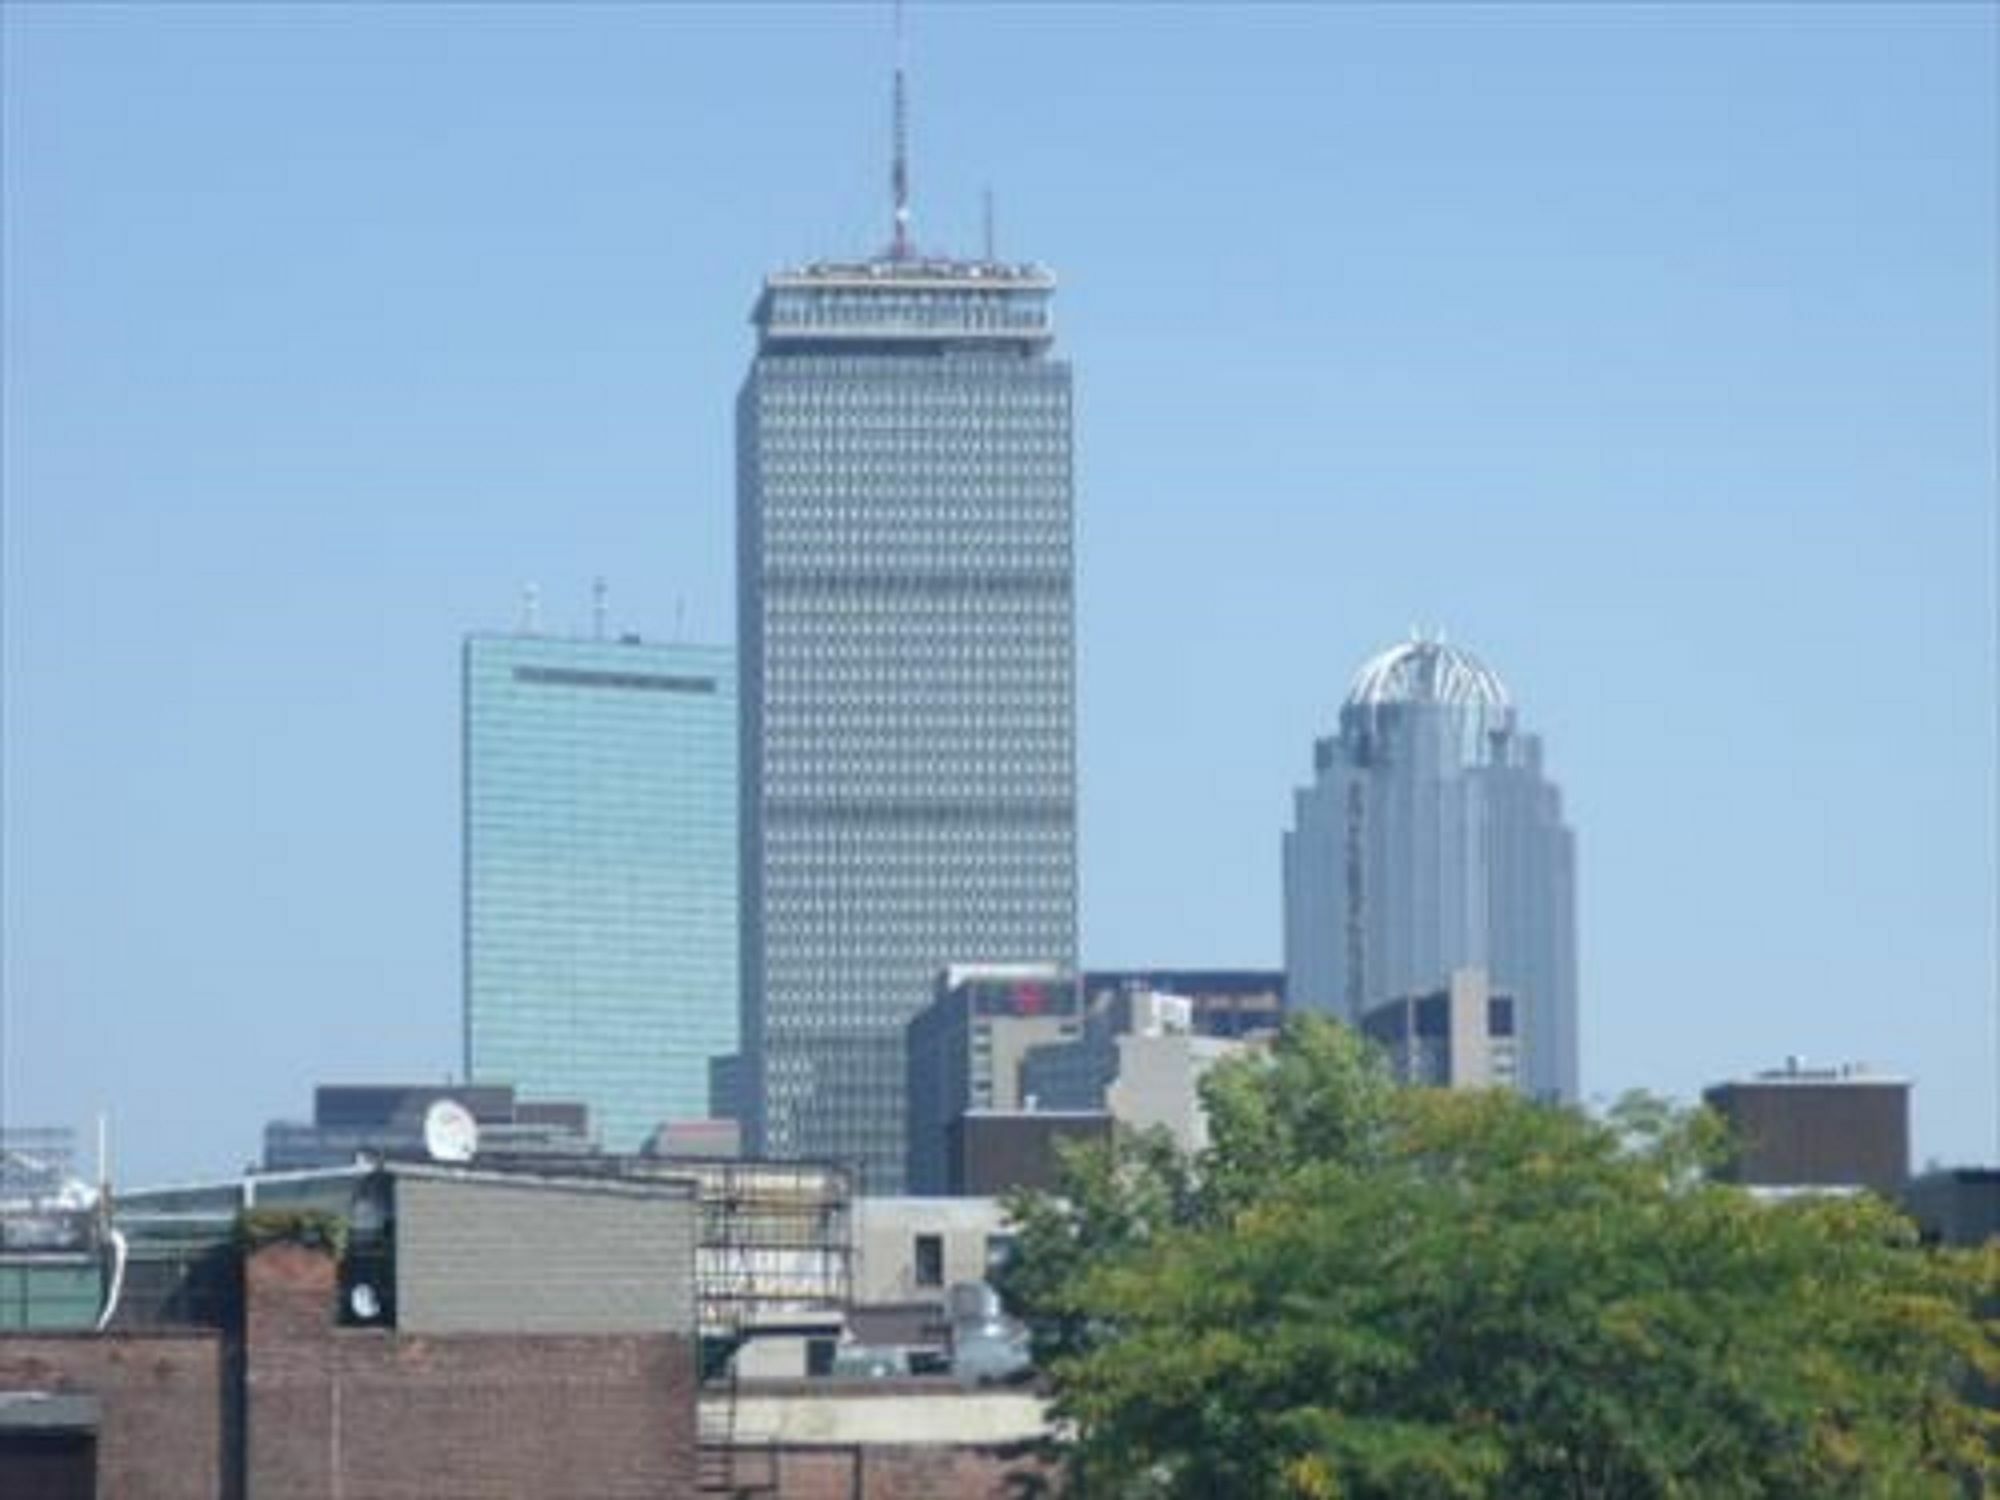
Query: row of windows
pixel 924 925
pixel 830 743
pixel 836 672
pixel 917 456
pixel 942 422
pixel 844 370
pixel 893 659
pixel 884 787
pixel 927 770
pixel 798 619
pixel 634 681
pixel 980 870
pixel 1011 408
pixel 840 549
pixel 997 306
pixel 978 378
pixel 845 505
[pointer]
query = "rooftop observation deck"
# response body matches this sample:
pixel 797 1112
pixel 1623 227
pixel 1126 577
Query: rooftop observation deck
pixel 916 305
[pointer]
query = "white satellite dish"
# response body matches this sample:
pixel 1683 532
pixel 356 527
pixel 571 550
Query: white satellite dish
pixel 450 1132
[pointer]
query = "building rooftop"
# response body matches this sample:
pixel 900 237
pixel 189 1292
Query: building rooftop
pixel 905 306
pixel 1796 1073
pixel 1421 671
pixel 928 272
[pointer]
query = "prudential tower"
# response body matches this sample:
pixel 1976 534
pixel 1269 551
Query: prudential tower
pixel 1431 841
pixel 905 589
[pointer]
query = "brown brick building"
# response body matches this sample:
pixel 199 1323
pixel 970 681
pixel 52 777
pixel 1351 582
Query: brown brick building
pixel 291 1405
pixel 1816 1129
pixel 485 1336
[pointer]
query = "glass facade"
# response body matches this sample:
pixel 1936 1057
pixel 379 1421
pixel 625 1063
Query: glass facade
pixel 906 594
pixel 1429 842
pixel 600 874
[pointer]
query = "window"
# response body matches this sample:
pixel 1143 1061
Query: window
pixel 999 1253
pixel 930 1260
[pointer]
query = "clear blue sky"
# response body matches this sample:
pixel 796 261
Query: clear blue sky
pixel 1651 351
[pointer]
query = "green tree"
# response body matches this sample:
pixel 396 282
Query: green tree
pixel 1366 1291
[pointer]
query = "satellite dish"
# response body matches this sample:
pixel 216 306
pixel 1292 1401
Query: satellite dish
pixel 450 1132
pixel 365 1302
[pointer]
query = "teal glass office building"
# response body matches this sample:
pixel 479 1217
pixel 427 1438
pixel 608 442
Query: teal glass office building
pixel 600 883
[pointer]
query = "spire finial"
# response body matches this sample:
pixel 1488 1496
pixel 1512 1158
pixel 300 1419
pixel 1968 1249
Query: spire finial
pixel 899 171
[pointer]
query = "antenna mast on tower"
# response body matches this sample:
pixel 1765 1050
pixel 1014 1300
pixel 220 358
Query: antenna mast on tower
pixel 899 170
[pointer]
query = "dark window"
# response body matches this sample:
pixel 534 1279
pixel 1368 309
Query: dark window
pixel 819 1356
pixel 578 677
pixel 999 1253
pixel 56 1465
pixel 930 1260
pixel 1433 1016
pixel 1500 1016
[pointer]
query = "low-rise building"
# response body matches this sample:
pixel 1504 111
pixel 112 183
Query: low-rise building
pixel 1462 1035
pixel 1139 1057
pixel 910 1249
pixel 495 1334
pixel 965 1050
pixel 1800 1129
pixel 388 1119
pixel 1222 1002
pixel 992 1151
pixel 1956 1205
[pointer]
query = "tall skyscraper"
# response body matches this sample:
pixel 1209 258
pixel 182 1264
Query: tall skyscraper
pixel 600 873
pixel 905 587
pixel 1430 841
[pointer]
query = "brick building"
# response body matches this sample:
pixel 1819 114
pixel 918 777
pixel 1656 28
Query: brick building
pixel 512 1338
pixel 486 1333
pixel 1800 1129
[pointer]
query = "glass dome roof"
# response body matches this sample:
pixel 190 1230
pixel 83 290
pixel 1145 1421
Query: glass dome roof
pixel 1421 671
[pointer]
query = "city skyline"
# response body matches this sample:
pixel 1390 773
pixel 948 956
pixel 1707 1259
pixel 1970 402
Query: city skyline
pixel 1653 353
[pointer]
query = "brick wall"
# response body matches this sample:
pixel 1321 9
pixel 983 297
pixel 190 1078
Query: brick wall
pixel 162 1397
pixel 902 1472
pixel 362 1412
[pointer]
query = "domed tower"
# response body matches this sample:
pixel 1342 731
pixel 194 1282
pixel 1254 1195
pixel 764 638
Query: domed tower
pixel 1429 842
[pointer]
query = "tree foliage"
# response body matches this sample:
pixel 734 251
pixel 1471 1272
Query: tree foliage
pixel 1365 1291
pixel 313 1227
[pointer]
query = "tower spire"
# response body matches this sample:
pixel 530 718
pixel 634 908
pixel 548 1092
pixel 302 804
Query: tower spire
pixel 899 170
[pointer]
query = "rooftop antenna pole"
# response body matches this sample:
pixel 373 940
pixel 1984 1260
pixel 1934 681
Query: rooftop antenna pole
pixel 899 171
pixel 531 609
pixel 600 593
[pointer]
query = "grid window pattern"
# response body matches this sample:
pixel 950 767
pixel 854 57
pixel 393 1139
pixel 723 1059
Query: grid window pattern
pixel 906 588
pixel 600 874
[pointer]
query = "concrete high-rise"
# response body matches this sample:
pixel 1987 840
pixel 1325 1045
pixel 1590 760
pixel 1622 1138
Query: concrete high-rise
pixel 600 880
pixel 1430 841
pixel 905 588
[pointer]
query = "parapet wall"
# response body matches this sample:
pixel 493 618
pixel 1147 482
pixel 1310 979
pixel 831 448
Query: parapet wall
pixel 163 1399
pixel 364 1412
